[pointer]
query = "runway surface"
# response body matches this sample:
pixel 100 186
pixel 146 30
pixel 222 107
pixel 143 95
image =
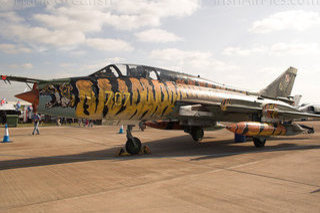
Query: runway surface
pixel 69 169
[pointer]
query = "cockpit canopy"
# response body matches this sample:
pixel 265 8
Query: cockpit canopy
pixel 153 73
pixel 139 71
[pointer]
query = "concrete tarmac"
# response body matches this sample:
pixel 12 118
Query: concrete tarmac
pixel 70 169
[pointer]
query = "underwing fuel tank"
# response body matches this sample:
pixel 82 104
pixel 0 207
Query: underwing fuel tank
pixel 266 129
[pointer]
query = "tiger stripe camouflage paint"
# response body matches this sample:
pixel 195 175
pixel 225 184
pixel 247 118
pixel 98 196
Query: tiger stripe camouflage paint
pixel 128 98
pixel 257 129
pixel 122 98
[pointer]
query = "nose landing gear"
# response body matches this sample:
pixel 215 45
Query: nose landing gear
pixel 133 144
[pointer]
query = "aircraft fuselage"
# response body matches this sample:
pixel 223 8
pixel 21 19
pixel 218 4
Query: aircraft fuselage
pixel 127 98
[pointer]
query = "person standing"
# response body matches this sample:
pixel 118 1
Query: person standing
pixel 58 121
pixel 36 121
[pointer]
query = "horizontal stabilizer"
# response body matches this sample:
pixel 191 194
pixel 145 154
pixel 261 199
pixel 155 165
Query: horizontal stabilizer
pixel 6 78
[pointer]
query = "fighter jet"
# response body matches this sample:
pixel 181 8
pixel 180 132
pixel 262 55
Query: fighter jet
pixel 167 100
pixel 310 108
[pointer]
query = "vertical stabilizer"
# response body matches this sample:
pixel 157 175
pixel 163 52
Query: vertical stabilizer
pixel 282 86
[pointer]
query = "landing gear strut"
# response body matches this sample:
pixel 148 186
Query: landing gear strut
pixel 133 144
pixel 196 133
pixel 259 142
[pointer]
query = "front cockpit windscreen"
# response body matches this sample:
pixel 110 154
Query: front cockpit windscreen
pixel 108 71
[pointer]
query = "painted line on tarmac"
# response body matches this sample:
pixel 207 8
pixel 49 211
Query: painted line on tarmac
pixel 270 177
pixel 315 191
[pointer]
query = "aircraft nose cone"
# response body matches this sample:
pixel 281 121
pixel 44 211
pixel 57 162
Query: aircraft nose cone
pixel 31 97
pixel 27 96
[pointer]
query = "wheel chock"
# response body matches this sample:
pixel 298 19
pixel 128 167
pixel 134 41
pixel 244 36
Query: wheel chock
pixel 122 152
pixel 146 150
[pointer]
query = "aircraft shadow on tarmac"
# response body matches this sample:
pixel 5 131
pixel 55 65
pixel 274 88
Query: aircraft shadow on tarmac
pixel 181 146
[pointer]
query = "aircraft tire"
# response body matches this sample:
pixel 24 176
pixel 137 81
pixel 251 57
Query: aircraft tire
pixel 259 142
pixel 197 134
pixel 133 146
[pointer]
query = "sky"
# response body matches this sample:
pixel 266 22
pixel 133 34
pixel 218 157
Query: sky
pixel 243 43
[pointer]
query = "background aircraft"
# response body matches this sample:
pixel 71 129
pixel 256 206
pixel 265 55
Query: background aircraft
pixel 169 100
pixel 310 108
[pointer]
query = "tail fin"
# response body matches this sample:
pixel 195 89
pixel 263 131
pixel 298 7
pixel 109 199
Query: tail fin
pixel 282 86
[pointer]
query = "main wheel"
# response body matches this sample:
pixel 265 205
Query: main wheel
pixel 259 142
pixel 133 146
pixel 197 134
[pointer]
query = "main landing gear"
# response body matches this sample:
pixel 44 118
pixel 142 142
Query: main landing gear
pixel 196 133
pixel 133 144
pixel 259 142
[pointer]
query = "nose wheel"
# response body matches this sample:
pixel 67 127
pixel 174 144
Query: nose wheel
pixel 133 144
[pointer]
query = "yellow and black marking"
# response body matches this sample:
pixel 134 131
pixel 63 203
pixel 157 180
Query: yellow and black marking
pixel 257 129
pixel 224 104
pixel 271 111
pixel 126 98
pixel 135 98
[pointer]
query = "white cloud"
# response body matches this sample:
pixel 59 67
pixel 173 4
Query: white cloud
pixel 190 59
pixel 244 51
pixel 295 48
pixel 129 15
pixel 85 68
pixel 10 17
pixel 57 36
pixel 7 5
pixel 109 44
pixel 21 66
pixel 287 20
pixel 100 64
pixel 13 49
pixel 157 36
pixel 40 35
pixel 67 24
pixel 279 49
pixel 159 8
pixel 27 66
pixel 83 19
pixel 121 14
